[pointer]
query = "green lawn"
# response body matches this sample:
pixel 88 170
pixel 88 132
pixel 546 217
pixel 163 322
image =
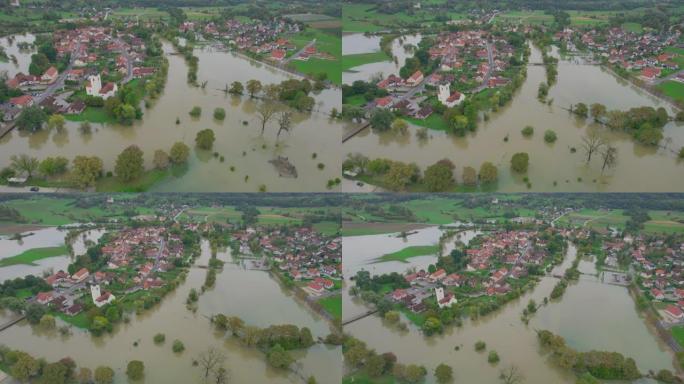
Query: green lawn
pixel 325 42
pixel 30 256
pixel 314 66
pixel 351 61
pixel 633 27
pixel 673 89
pixel 678 334
pixel 333 305
pixel 57 211
pixel 92 115
pixel 78 321
pixel 434 121
pixel 327 228
pixel 357 100
pixel 409 252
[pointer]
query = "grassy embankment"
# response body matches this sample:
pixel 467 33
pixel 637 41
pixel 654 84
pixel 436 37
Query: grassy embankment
pixel 403 255
pixel 29 257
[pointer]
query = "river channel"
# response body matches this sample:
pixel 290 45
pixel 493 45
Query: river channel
pixel 238 137
pixel 658 169
pixel 252 295
pixel 591 315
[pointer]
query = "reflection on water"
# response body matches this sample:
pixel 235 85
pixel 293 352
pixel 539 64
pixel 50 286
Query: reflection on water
pixel 238 137
pixel 657 169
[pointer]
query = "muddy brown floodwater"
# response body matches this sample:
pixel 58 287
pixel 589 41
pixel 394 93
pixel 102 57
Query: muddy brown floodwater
pixel 241 145
pixel 576 317
pixel 639 168
pixel 253 295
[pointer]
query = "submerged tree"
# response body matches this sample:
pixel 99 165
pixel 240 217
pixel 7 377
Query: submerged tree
pixel 210 360
pixel 265 112
pixel 592 143
pixel 609 155
pixel 284 123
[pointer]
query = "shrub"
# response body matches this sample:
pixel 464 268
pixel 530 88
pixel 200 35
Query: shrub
pixel 550 136
pixel 528 131
pixel 196 111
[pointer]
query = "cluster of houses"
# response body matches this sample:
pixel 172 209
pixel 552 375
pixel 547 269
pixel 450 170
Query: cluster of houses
pixel 463 58
pixel 258 37
pixel 304 255
pixel 89 48
pixel 660 277
pixel 505 255
pixel 145 251
pixel 643 52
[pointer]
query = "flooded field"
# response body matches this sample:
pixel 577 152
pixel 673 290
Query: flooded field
pixel 356 43
pixel 238 137
pixel 252 295
pixel 515 342
pixel 658 169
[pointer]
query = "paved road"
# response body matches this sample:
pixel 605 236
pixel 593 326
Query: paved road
pixel 298 53
pixel 157 260
pixel 129 64
pixel 672 76
pixel 59 83
pixel 490 59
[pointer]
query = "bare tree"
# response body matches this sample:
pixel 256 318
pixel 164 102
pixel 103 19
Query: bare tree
pixel 285 123
pixel 609 155
pixel 209 360
pixel 265 112
pixel 592 143
pixel 511 375
pixel 221 375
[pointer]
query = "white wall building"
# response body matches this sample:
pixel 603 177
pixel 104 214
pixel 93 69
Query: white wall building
pixel 447 98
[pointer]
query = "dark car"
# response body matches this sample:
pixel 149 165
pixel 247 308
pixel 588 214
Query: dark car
pixel 34 189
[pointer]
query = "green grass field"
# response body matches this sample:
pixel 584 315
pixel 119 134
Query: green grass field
pixel 673 89
pixel 30 256
pixel 409 252
pixel 678 334
pixel 333 305
pixel 325 42
pixel 327 228
pixel 351 61
pixel 58 211
pixel 92 115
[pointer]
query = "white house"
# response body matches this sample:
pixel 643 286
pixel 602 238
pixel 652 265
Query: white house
pixel 94 88
pixel 447 98
pixel 100 299
pixel 444 301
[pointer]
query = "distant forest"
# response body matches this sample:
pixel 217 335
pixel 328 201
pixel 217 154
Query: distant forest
pixel 392 6
pixel 627 201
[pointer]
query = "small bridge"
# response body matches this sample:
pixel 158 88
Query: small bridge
pixel 11 322
pixel 359 317
pixel 355 132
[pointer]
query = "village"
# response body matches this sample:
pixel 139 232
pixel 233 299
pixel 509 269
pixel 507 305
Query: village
pixel 266 40
pixel 95 62
pixel 304 256
pixel 498 265
pixel 469 62
pixel 128 264
pixel 650 56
